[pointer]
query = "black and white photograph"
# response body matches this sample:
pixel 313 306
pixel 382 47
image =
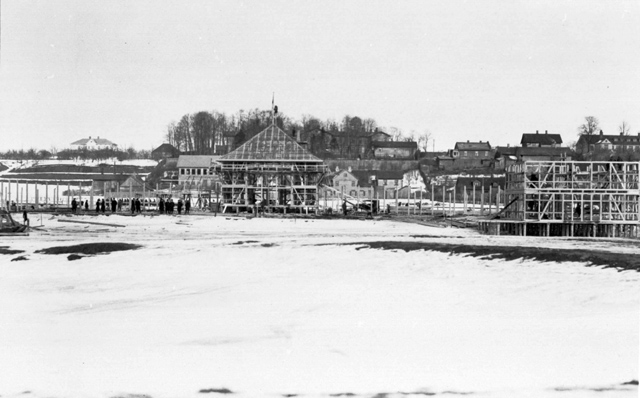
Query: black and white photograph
pixel 331 199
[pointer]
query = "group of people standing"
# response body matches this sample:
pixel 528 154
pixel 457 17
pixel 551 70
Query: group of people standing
pixel 166 207
pixel 135 205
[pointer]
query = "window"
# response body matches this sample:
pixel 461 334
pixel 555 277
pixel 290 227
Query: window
pixel 199 171
pixel 465 154
pixel 486 153
pixel 182 171
pixel 476 153
pixel 353 183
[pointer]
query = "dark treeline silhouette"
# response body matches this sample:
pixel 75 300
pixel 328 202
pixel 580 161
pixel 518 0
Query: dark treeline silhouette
pixel 206 133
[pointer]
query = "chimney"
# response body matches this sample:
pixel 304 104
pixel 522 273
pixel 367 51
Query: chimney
pixel 297 136
pixel 467 140
pixel 601 132
pixel 536 131
pixel 546 132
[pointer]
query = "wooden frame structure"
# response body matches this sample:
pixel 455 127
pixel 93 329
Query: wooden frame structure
pixel 567 198
pixel 270 172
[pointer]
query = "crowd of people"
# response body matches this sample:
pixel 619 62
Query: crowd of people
pixel 134 206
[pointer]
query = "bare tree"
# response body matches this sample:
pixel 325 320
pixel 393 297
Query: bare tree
pixel 624 128
pixel 590 126
pixel 423 140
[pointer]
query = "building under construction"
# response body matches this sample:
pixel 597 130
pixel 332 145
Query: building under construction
pixel 565 198
pixel 270 172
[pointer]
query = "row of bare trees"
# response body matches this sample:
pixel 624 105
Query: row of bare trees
pixel 591 126
pixel 207 132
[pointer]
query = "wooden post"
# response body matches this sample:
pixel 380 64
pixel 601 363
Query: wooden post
pixel 464 198
pixel 490 201
pixel 432 197
pixel 420 201
pixel 444 199
pixel 482 200
pixel 474 197
pixel 397 207
pixel 68 192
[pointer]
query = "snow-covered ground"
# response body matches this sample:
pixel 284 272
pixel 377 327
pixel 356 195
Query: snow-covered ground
pixel 268 307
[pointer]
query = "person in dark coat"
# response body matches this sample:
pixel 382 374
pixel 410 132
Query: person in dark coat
pixel 98 206
pixel 74 206
pixel 86 205
pixel 179 206
pixel 161 206
pixel 138 205
pixel 170 206
pixel 344 207
pixel 25 218
pixel 102 206
pixel 119 205
pixel 114 205
pixel 187 206
pixel 132 206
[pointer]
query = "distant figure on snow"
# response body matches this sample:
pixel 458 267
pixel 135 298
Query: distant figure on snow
pixel 102 206
pixel 25 218
pixel 179 206
pixel 74 206
pixel 161 206
pixel 344 207
pixel 187 206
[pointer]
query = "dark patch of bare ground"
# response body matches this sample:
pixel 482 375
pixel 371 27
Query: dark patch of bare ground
pixel 7 250
pixel 630 383
pixel 619 261
pixel 90 248
pixel 132 396
pixel 20 258
pixel 240 242
pixel 215 390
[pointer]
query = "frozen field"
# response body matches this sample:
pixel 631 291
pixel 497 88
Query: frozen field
pixel 281 307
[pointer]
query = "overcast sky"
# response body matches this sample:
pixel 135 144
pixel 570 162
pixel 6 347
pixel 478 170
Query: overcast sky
pixel 477 70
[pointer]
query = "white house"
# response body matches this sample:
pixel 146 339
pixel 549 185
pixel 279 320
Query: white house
pixel 93 143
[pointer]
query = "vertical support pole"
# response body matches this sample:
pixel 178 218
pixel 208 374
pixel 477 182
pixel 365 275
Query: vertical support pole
pixel 444 199
pixel 464 198
pixel 46 193
pixel 433 197
pixel 482 200
pixel 474 197
pixel 397 206
pixel 68 192
pixel 490 201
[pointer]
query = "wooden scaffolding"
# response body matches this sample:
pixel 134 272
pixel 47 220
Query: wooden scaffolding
pixel 270 172
pixel 567 198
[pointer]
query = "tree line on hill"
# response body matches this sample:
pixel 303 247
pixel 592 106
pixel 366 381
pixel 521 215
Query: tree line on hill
pixel 203 132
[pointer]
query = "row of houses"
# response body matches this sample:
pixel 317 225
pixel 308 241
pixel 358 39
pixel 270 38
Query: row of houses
pixel 470 155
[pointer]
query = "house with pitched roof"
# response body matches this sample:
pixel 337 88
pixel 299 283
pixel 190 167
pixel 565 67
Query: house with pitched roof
pixel 93 144
pixel 541 140
pixel 608 142
pixel 196 169
pixel 467 155
pixel 165 151
pixel 272 172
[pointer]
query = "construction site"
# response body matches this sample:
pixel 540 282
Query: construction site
pixel 569 198
pixel 271 172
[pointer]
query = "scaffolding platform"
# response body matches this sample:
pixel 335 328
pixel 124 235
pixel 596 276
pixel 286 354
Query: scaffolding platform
pixel 567 198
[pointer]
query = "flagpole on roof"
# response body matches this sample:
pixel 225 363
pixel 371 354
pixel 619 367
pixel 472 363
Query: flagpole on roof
pixel 274 109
